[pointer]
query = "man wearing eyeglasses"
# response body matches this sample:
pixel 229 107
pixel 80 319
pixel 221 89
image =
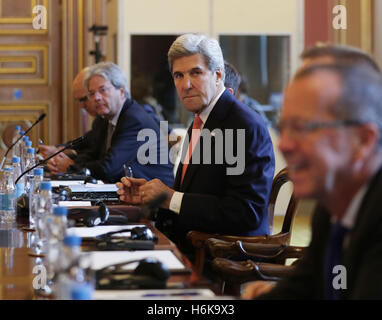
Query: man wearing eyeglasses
pixel 89 149
pixel 107 91
pixel 330 136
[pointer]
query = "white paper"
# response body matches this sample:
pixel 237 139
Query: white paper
pixel 101 259
pixel 94 188
pixel 154 294
pixel 74 203
pixel 67 183
pixel 93 232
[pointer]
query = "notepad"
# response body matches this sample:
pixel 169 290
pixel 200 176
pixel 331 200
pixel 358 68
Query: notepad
pixel 101 259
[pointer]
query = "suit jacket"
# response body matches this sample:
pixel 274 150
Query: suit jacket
pixel 150 110
pixel 125 146
pixel 91 148
pixel 214 201
pixel 362 257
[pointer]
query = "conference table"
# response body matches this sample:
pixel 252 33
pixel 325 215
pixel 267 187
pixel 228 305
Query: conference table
pixel 17 265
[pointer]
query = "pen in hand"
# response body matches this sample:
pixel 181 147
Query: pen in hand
pixel 39 142
pixel 129 174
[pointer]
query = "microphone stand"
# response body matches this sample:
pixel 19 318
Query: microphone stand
pixel 41 162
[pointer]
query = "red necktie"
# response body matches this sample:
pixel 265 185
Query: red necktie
pixel 194 139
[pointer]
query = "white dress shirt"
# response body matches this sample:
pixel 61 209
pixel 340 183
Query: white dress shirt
pixel 177 197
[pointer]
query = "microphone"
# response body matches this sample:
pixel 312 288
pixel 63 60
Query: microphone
pixel 25 133
pixel 75 141
pixel 67 145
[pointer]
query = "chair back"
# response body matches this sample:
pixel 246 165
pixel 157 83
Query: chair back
pixel 278 181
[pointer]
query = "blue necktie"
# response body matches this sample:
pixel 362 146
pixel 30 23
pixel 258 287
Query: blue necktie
pixel 333 258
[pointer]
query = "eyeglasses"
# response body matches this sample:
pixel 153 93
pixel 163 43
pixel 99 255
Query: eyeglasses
pixel 300 128
pixel 82 99
pixel 101 90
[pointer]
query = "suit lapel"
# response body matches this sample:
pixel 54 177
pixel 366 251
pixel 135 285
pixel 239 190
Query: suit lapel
pixel 368 218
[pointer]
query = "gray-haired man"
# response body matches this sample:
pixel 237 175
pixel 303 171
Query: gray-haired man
pixel 207 196
pixel 107 90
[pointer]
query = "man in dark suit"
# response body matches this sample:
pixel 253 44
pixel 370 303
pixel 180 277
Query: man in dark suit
pixel 331 138
pixel 126 120
pixel 88 150
pixel 212 193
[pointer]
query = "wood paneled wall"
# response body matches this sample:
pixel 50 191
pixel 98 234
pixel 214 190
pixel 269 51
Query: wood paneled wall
pixel 37 66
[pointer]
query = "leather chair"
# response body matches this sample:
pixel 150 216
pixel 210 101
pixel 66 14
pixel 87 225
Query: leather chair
pixel 231 274
pixel 199 239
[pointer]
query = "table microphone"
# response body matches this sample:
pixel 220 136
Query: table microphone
pixel 25 133
pixel 67 145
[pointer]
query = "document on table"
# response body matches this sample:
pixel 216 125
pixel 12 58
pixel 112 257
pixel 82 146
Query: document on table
pixel 101 259
pixel 89 187
pixel 92 232
pixel 57 183
pixel 155 294
pixel 74 203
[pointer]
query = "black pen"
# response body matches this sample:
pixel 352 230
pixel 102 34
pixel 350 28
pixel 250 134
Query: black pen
pixel 177 294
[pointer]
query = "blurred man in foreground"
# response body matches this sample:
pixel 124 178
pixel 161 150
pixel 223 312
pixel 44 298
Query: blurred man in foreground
pixel 330 137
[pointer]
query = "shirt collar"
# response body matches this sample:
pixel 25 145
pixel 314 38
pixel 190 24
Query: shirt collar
pixel 114 120
pixel 348 220
pixel 206 112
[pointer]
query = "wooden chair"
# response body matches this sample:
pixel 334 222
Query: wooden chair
pixel 198 239
pixel 274 253
pixel 231 274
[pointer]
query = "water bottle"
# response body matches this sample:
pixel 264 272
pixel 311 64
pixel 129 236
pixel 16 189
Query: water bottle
pixel 7 196
pixel 56 224
pixel 20 185
pixel 16 135
pixel 17 147
pixel 82 291
pixel 30 161
pixel 44 209
pixel 38 177
pixel 73 282
pixel 23 151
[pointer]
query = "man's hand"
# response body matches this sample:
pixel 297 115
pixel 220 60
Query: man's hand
pixel 128 190
pixel 60 163
pixel 256 289
pixel 46 151
pixel 139 191
pixel 153 189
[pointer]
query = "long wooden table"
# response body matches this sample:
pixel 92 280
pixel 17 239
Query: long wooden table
pixel 17 266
